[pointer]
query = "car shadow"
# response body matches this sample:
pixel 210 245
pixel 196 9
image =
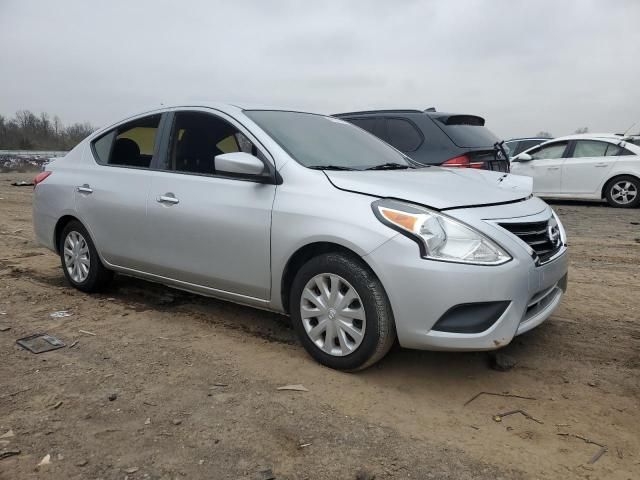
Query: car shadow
pixel 398 367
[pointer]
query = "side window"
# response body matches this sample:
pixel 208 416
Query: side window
pixel 526 145
pixel 198 137
pixel 550 151
pixel 368 124
pixel 403 135
pixel 131 144
pixel 614 150
pixel 589 148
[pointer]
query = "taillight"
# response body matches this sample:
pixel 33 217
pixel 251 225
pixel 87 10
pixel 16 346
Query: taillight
pixel 41 177
pixel 463 161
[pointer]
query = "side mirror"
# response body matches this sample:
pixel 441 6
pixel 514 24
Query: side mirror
pixel 522 157
pixel 238 163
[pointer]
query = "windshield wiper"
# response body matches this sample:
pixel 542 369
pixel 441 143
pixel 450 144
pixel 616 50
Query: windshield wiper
pixel 329 167
pixel 389 166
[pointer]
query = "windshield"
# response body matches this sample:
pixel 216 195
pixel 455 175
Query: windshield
pixel 317 141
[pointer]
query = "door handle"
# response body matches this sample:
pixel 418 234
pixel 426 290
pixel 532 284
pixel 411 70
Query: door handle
pixel 167 199
pixel 84 188
pixel 601 165
pixel 553 168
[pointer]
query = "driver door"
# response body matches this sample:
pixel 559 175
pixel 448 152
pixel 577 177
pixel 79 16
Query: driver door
pixel 545 167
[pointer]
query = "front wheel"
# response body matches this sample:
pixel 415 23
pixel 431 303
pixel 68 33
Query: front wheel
pixel 80 261
pixel 623 192
pixel 341 312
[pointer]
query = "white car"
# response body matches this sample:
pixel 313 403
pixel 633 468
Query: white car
pixel 585 166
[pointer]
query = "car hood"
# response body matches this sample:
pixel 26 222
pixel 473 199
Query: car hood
pixel 439 188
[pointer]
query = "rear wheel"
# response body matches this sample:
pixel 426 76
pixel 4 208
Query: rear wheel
pixel 623 192
pixel 341 312
pixel 80 261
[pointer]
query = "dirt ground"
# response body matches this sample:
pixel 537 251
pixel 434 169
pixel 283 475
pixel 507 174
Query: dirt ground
pixel 195 381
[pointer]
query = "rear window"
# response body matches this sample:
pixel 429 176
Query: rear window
pixel 467 131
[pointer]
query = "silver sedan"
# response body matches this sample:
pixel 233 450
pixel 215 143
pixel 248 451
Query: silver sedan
pixel 310 216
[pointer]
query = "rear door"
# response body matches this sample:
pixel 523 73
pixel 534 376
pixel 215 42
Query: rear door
pixel 208 229
pixel 587 166
pixel 545 167
pixel 111 194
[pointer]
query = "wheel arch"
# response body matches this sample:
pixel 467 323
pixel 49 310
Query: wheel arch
pixel 603 192
pixel 60 224
pixel 303 255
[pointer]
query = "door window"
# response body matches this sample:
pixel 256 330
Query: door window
pixel 589 148
pixel 131 144
pixel 403 135
pixel 550 151
pixel 198 137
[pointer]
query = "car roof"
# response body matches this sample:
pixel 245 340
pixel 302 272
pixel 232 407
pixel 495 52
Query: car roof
pixel 544 139
pixel 591 136
pixel 222 106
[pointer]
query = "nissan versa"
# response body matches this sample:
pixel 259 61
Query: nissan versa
pixel 308 215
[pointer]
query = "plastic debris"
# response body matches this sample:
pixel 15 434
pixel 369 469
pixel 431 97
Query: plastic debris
pixel 46 460
pixel 60 314
pixel 40 343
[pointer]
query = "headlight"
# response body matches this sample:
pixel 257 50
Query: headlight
pixel 439 237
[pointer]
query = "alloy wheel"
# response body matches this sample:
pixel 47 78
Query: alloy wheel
pixel 624 192
pixel 333 314
pixel 76 257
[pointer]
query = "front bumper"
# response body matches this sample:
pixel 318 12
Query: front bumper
pixel 422 291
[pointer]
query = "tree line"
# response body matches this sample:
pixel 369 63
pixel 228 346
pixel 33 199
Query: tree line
pixel 28 131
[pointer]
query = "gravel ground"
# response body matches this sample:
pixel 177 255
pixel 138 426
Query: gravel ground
pixel 170 385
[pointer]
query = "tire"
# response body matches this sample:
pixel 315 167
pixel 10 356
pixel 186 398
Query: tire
pixel 348 351
pixel 626 184
pixel 95 277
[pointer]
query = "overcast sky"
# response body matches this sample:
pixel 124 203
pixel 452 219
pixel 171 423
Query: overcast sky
pixel 525 66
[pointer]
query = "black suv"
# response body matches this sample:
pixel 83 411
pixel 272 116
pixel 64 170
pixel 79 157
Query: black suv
pixel 435 138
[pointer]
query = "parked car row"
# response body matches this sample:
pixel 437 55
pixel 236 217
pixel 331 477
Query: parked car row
pixel 585 166
pixel 312 216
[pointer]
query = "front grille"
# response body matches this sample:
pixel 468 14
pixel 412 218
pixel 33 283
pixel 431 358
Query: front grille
pixel 543 237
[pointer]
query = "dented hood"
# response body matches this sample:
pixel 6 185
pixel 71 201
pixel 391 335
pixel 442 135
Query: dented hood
pixel 440 188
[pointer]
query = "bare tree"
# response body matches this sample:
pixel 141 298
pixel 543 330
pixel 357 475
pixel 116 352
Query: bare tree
pixel 582 130
pixel 543 134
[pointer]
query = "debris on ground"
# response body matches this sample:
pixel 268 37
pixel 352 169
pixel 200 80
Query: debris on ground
pixel 22 183
pixel 112 396
pixel 501 362
pixel 266 474
pixel 294 388
pixel 506 394
pixel 87 333
pixel 74 344
pixel 60 314
pixel 499 416
pixel 304 445
pixel 4 328
pixel 46 460
pixel 147 421
pixel 57 405
pixel 177 421
pixel 597 455
pixel 131 470
pixel 8 453
pixel 82 463
pixel 40 343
